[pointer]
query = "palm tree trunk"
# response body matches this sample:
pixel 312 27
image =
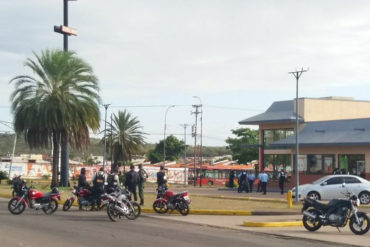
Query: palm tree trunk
pixel 54 179
pixel 64 168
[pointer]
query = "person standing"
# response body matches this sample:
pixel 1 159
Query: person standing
pixel 132 179
pixel 251 178
pixel 263 177
pixel 143 175
pixel 282 178
pixel 231 179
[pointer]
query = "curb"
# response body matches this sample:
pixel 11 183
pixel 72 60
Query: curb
pixel 273 224
pixel 257 199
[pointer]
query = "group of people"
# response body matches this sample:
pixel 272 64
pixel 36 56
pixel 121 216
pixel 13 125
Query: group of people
pixel 247 179
pixel 105 182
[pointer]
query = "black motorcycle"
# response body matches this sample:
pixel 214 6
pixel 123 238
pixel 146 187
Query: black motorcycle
pixel 336 213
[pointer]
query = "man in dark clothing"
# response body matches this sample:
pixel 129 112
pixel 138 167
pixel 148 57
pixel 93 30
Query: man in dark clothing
pixel 231 179
pixel 161 177
pixel 282 178
pixel 98 188
pixel 143 175
pixel 82 183
pixel 132 179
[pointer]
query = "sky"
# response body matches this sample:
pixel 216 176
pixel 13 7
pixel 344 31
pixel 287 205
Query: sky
pixel 234 55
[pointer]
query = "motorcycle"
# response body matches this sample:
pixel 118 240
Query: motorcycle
pixel 118 206
pixel 336 213
pixel 168 200
pixel 32 198
pixel 116 192
pixel 85 199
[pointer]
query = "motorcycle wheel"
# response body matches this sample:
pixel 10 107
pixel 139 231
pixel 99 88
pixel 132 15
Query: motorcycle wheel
pixel 137 208
pixel 309 223
pixel 183 208
pixel 112 212
pixel 131 215
pixel 364 224
pixel 160 207
pixel 52 207
pixel 67 205
pixel 16 209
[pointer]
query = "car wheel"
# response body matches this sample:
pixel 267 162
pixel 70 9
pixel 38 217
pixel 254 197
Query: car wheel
pixel 364 197
pixel 314 195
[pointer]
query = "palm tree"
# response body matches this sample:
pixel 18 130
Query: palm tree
pixel 58 104
pixel 126 137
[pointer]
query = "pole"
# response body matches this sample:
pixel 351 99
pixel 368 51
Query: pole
pixel 11 161
pixel 111 140
pixel 297 75
pixel 164 135
pixel 65 23
pixel 105 138
pixel 185 125
pixel 195 141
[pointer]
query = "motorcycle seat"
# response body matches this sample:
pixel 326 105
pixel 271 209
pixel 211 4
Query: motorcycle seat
pixel 320 205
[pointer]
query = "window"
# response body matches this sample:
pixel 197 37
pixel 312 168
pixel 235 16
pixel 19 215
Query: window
pixel 275 135
pixel 335 180
pixel 316 163
pixel 351 180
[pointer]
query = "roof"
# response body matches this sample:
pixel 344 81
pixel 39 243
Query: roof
pixel 278 112
pixel 353 132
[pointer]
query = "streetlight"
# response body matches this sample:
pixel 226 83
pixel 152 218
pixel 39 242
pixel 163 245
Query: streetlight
pixel 64 29
pixel 297 74
pixel 164 134
pixel 14 144
pixel 201 138
pixel 105 138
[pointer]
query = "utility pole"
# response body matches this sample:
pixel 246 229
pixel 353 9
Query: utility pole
pixel 105 137
pixel 185 126
pixel 195 140
pixel 111 141
pixel 64 153
pixel 200 158
pixel 297 74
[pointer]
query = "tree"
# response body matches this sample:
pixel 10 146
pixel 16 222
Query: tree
pixel 126 137
pixel 174 148
pixel 3 175
pixel 244 147
pixel 58 105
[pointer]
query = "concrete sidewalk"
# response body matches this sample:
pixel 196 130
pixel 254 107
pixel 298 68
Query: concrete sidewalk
pixel 326 234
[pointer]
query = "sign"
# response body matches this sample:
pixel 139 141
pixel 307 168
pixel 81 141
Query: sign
pixel 65 30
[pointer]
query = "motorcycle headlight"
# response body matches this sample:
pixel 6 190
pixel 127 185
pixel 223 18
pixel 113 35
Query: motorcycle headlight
pixel 356 202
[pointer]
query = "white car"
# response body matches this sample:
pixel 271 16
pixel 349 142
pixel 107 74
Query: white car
pixel 331 187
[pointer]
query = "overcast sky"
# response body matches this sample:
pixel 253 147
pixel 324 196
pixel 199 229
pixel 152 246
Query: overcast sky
pixel 234 54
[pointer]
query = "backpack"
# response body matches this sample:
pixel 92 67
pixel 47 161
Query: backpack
pixel 110 179
pixel 99 179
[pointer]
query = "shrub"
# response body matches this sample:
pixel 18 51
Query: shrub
pixel 3 175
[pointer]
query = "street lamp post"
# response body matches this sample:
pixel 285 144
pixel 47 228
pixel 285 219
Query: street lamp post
pixel 201 139
pixel 105 137
pixel 297 74
pixel 164 134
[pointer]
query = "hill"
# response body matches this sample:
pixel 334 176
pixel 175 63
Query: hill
pixel 95 149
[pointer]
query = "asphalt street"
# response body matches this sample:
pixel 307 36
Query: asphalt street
pixel 77 229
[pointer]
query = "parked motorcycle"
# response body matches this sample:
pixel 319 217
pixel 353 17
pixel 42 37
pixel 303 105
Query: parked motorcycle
pixel 32 198
pixel 168 200
pixel 336 213
pixel 84 196
pixel 116 192
pixel 119 206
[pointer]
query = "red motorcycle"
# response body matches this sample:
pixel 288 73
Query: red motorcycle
pixel 168 200
pixel 84 196
pixel 32 198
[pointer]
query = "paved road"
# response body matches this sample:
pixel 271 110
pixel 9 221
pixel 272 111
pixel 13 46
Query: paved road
pixel 78 229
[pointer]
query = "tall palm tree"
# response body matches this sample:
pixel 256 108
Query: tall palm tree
pixel 126 137
pixel 59 103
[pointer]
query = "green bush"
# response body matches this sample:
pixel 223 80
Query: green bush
pixel 227 184
pixel 46 176
pixel 3 175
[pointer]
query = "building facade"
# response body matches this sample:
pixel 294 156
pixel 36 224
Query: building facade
pixel 334 136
